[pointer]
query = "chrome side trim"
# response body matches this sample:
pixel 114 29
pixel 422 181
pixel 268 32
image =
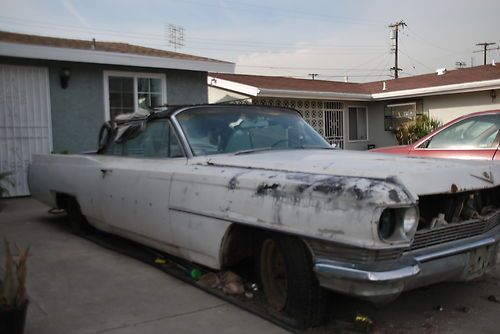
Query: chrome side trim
pixel 332 269
pixel 455 250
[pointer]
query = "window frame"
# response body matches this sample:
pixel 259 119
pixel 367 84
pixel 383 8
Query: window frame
pixel 134 76
pixel 389 114
pixel 348 119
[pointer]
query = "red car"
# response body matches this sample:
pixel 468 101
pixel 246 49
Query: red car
pixel 473 136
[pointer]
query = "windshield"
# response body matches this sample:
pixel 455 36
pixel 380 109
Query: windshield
pixel 236 129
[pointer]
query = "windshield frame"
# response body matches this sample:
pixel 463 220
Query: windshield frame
pixel 187 146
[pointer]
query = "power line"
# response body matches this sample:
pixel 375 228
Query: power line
pixel 306 68
pixel 338 49
pixel 415 60
pixel 285 11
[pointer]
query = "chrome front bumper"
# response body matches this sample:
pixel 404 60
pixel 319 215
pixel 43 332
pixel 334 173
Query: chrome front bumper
pixel 457 261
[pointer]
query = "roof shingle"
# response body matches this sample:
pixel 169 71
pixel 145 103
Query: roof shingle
pixel 458 76
pixel 98 46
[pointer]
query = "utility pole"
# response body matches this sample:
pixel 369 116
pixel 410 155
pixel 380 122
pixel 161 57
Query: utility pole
pixel 395 30
pixel 485 49
pixel 313 75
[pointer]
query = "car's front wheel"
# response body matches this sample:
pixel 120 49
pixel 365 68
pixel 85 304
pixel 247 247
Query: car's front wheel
pixel 288 282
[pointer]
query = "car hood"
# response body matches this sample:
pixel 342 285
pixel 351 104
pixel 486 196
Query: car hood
pixel 421 176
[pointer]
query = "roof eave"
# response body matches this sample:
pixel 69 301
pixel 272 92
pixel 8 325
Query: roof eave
pixel 439 90
pixel 232 86
pixel 112 58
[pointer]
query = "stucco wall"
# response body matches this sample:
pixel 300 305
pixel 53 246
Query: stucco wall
pixel 186 87
pixel 78 111
pixel 448 107
pixel 376 133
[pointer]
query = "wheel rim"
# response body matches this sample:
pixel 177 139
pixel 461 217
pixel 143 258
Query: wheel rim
pixel 273 274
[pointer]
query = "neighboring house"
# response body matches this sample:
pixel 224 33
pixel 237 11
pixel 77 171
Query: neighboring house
pixel 55 93
pixel 361 115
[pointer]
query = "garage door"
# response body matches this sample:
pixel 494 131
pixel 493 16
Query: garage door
pixel 25 126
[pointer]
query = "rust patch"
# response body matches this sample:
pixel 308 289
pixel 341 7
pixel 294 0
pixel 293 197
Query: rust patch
pixel 302 187
pixel 233 182
pixel 393 195
pixel 263 188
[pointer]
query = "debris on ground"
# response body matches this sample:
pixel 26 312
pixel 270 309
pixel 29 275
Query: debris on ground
pixel 439 308
pixel 160 260
pixel 494 299
pixel 228 282
pixel 209 280
pixel 463 309
pixel 232 284
pixel 364 323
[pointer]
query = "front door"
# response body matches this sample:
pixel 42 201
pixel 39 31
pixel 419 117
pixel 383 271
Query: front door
pixel 25 125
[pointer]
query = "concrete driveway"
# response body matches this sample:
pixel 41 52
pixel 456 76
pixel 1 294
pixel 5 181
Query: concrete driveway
pixel 76 286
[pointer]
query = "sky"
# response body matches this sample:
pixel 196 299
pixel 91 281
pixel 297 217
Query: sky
pixel 334 39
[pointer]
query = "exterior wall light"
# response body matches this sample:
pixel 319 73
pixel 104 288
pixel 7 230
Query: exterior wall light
pixel 64 76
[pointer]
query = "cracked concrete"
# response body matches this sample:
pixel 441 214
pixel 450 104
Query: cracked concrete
pixel 76 286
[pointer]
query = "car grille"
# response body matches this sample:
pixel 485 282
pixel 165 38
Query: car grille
pixel 454 231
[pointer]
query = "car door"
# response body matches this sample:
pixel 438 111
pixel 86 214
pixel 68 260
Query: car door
pixel 471 138
pixel 136 184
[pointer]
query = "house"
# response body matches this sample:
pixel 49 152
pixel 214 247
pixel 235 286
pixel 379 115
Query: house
pixel 55 93
pixel 362 115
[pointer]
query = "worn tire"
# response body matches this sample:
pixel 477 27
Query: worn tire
pixel 77 220
pixel 304 300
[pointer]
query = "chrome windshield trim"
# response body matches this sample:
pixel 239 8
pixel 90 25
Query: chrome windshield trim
pixel 180 133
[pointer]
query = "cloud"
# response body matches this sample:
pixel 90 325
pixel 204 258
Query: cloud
pixel 68 4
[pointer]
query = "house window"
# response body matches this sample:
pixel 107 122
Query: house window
pixel 396 115
pixel 125 92
pixel 121 95
pixel 358 123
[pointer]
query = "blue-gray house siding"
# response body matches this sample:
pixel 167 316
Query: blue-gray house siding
pixel 78 111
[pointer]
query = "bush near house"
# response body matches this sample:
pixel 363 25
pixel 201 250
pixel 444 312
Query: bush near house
pixel 410 132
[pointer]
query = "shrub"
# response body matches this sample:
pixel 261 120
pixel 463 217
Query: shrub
pixel 410 132
pixel 13 287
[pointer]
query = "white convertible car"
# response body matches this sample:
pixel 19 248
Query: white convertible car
pixel 217 184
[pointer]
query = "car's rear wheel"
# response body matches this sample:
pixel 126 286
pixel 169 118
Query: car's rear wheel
pixel 289 285
pixel 77 220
